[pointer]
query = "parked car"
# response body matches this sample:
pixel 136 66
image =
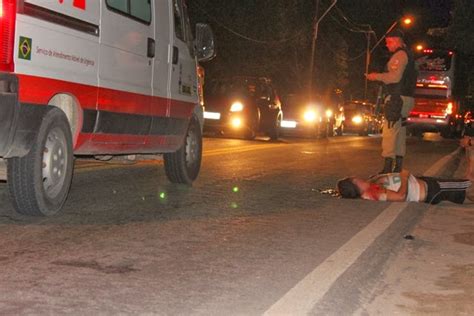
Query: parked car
pixel 359 117
pixel 242 106
pixel 303 117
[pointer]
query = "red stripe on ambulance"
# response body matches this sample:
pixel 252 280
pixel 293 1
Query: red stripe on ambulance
pixel 40 90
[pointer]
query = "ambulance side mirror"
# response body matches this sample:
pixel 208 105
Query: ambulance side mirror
pixel 204 42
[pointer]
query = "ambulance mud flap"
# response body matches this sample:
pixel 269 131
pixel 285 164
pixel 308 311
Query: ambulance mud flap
pixel 25 129
pixel 19 123
pixel 39 182
pixel 183 165
pixel 8 106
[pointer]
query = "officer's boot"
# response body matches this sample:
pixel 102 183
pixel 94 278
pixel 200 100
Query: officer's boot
pixel 398 164
pixel 387 167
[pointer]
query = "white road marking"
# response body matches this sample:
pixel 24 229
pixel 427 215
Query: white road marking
pixel 441 164
pixel 304 296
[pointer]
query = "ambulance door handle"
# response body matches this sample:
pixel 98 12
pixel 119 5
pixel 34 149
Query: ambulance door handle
pixel 175 55
pixel 151 48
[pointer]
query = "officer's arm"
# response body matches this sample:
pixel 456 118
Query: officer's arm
pixel 396 67
pixel 401 194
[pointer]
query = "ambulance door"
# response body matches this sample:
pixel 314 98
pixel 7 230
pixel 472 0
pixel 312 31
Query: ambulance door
pixel 161 75
pixel 183 81
pixel 125 71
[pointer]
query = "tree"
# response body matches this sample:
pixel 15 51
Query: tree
pixel 460 31
pixel 460 37
pixel 269 38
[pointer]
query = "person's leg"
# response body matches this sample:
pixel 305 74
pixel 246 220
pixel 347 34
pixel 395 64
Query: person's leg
pixel 454 190
pixel 400 144
pixel 388 146
pixel 389 138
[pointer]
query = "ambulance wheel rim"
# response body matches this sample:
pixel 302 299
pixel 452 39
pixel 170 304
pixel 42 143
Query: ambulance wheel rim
pixel 54 162
pixel 192 148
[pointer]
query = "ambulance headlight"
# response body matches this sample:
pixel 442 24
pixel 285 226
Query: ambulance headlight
pixel 236 107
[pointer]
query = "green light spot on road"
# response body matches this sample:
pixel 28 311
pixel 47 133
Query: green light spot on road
pixel 235 189
pixel 162 195
pixel 234 205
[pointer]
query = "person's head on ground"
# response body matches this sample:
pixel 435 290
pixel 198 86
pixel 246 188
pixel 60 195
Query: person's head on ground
pixel 348 189
pixel 394 40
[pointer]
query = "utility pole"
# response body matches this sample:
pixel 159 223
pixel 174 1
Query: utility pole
pixel 367 63
pixel 313 48
pixel 313 42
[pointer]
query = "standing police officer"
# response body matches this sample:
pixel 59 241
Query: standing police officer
pixel 400 83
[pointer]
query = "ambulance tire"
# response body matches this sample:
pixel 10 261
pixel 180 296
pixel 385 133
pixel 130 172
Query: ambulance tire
pixel 39 182
pixel 183 165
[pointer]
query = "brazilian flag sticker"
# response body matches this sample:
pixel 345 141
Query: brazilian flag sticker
pixel 24 49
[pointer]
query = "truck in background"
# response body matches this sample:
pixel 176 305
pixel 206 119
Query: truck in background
pixel 439 94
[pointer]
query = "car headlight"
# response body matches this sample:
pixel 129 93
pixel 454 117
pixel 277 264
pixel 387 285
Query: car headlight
pixel 329 113
pixel 236 107
pixel 310 116
pixel 236 122
pixel 357 119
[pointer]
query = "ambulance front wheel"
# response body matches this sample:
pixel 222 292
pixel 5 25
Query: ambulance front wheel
pixel 183 165
pixel 39 182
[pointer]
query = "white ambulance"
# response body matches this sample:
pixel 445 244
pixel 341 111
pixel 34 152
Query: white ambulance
pixel 96 77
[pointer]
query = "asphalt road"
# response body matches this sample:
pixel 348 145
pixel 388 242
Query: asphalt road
pixel 253 235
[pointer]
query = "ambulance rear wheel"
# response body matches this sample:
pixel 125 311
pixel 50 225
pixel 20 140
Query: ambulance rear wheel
pixel 39 182
pixel 183 165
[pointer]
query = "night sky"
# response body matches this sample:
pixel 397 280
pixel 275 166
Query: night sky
pixel 241 26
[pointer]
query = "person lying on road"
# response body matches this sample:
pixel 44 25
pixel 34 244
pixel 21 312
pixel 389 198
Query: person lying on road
pixel 403 186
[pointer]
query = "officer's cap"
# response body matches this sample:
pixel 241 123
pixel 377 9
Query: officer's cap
pixel 396 33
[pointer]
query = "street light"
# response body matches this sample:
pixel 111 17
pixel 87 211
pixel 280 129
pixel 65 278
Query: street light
pixel 407 21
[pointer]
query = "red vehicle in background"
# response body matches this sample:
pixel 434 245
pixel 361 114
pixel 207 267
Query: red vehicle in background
pixel 438 95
